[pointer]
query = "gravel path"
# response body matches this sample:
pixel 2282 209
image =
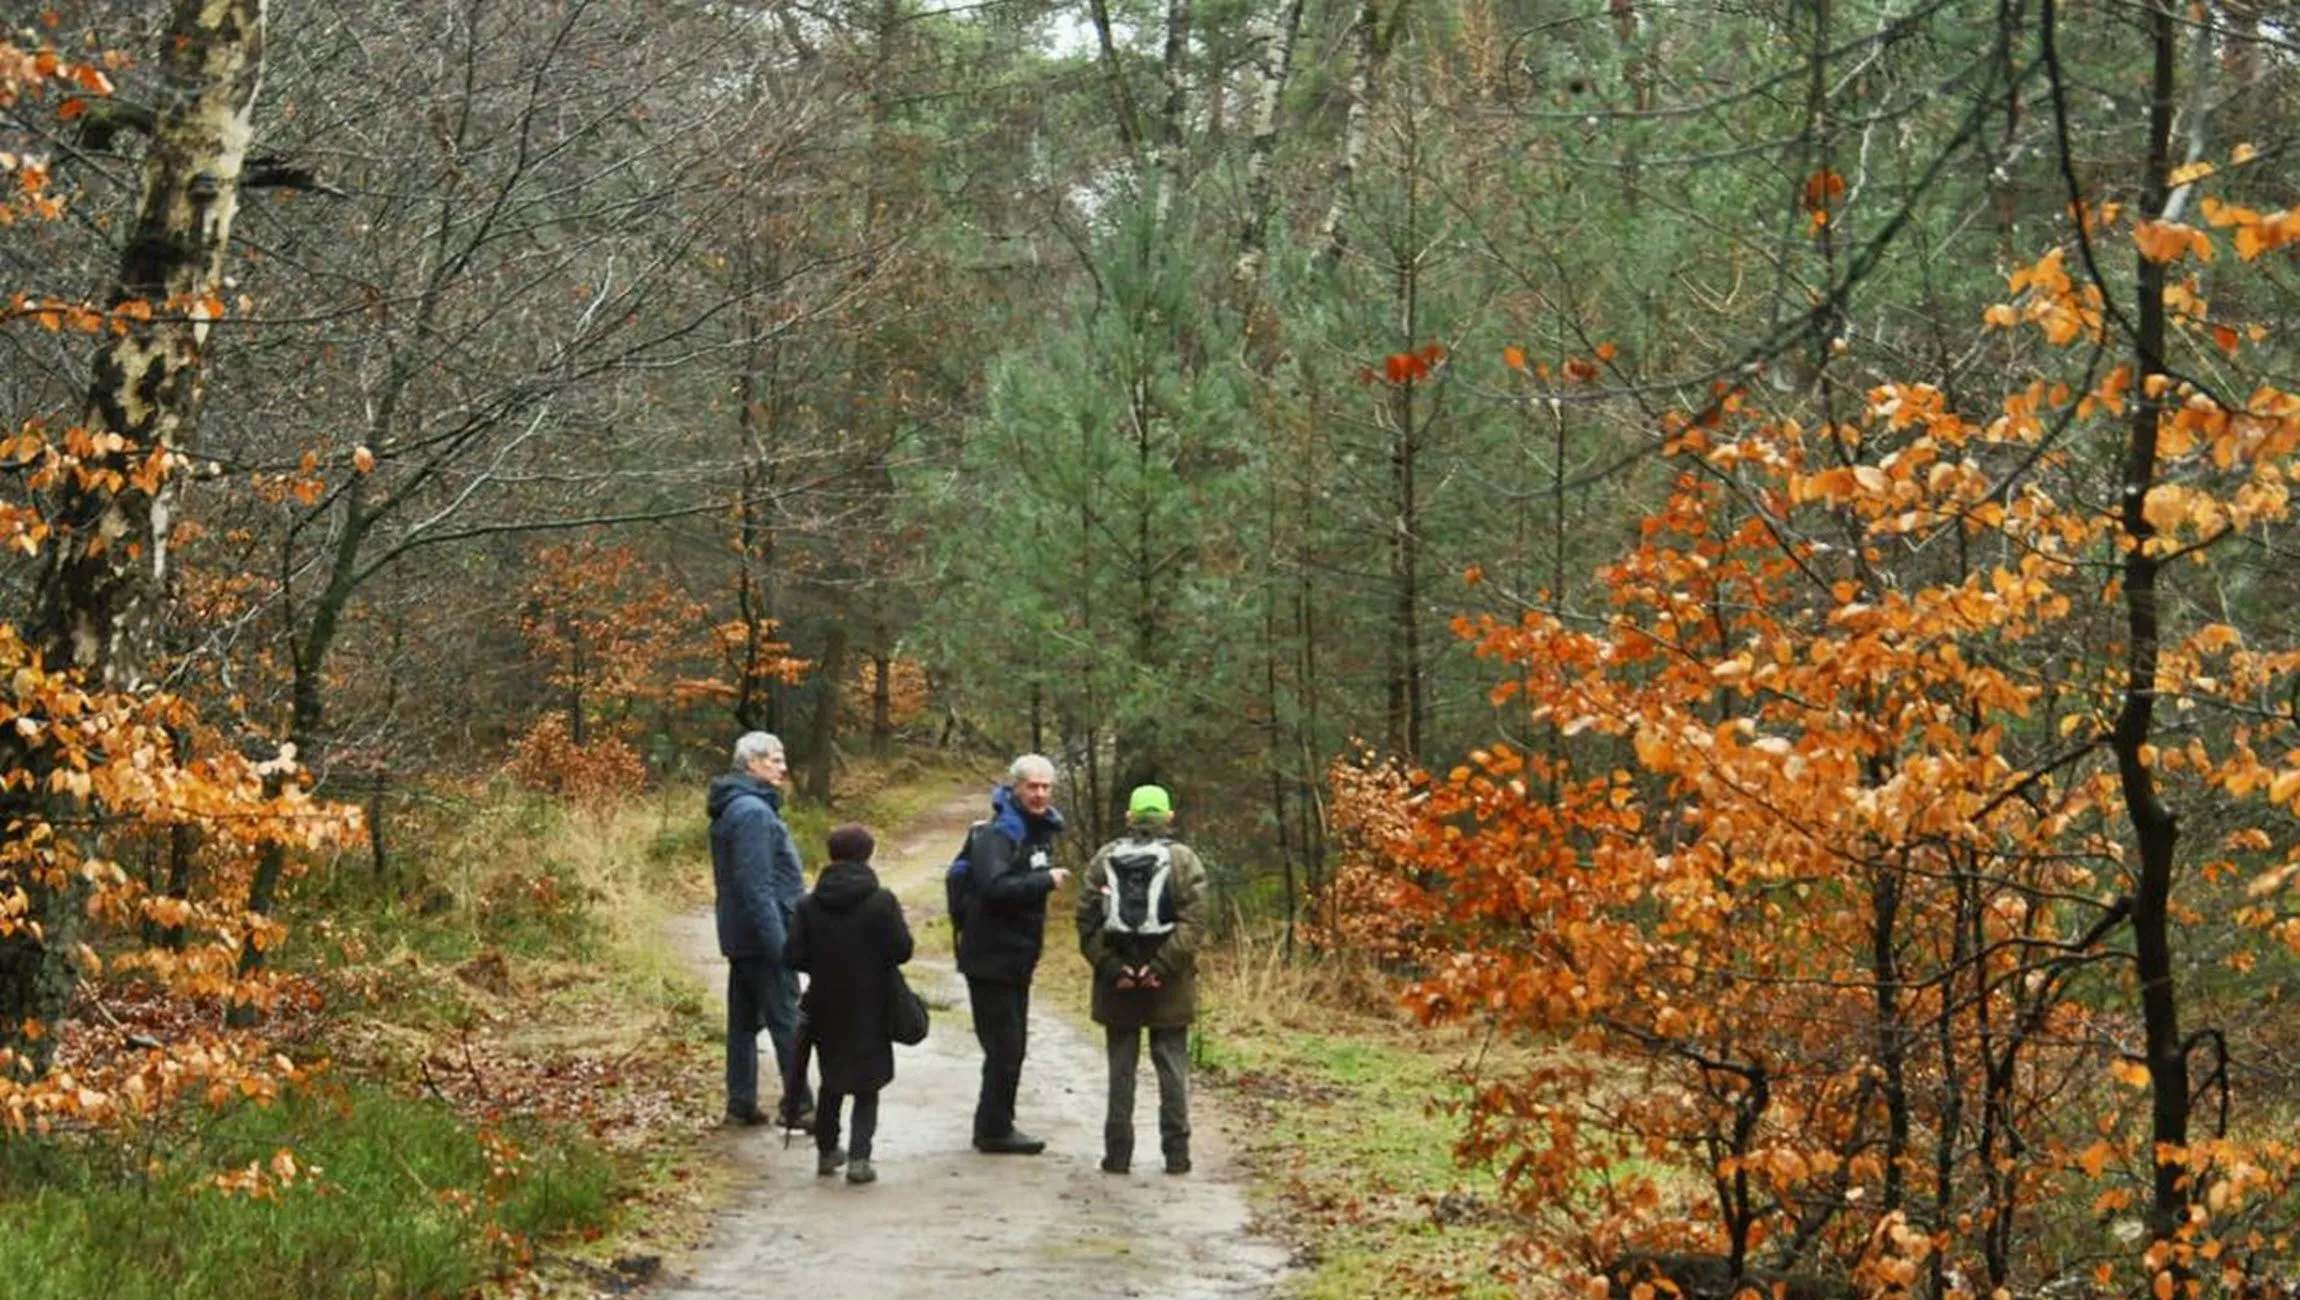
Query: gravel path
pixel 945 1222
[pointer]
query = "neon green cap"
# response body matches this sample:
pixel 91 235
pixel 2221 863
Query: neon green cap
pixel 1150 801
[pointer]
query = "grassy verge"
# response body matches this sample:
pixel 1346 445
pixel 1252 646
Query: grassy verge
pixel 506 1100
pixel 1348 1123
pixel 1349 1132
pixel 387 1196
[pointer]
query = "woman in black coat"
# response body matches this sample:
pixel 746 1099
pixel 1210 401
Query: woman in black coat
pixel 849 936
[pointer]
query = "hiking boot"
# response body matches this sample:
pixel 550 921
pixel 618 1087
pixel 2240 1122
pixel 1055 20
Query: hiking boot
pixel 801 1120
pixel 828 1162
pixel 1115 1164
pixel 744 1119
pixel 1014 1143
pixel 1177 1158
pixel 861 1172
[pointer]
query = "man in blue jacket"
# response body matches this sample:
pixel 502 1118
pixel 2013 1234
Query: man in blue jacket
pixel 1012 868
pixel 755 869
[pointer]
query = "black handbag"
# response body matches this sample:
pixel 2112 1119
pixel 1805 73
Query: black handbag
pixel 905 1011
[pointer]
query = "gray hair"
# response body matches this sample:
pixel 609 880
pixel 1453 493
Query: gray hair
pixel 1028 763
pixel 755 745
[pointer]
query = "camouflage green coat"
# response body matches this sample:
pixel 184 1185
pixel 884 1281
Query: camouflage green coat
pixel 1172 957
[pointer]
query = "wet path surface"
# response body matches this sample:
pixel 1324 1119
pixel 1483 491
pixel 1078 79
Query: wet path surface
pixel 946 1222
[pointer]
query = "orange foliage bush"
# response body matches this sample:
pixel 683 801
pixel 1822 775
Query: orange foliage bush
pixel 548 760
pixel 610 629
pixel 138 769
pixel 1374 906
pixel 1822 859
pixel 908 693
pixel 752 657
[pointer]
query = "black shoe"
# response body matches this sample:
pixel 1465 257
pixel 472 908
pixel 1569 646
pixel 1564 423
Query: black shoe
pixel 1114 1165
pixel 801 1120
pixel 829 1162
pixel 744 1119
pixel 861 1172
pixel 1014 1143
pixel 1177 1162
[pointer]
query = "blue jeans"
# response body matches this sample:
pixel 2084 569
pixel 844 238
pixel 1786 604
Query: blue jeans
pixel 762 993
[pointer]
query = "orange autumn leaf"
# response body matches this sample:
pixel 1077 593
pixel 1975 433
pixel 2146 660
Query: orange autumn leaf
pixel 1823 188
pixel 2167 241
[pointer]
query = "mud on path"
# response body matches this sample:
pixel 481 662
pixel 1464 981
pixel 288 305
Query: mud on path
pixel 946 1222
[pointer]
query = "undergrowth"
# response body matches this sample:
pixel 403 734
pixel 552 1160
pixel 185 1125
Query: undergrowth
pixel 328 1192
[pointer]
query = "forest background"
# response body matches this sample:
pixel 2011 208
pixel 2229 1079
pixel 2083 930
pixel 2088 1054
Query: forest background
pixel 1568 495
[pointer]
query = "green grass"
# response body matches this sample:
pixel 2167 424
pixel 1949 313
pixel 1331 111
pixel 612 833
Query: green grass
pixel 1354 1156
pixel 404 1206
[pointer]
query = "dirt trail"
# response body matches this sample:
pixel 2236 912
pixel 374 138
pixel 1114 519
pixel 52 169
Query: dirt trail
pixel 946 1222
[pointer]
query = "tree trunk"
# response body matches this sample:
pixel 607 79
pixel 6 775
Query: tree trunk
pixel 822 743
pixel 378 805
pixel 1369 49
pixel 98 601
pixel 307 708
pixel 97 604
pixel 1274 733
pixel 1172 130
pixel 1408 691
pixel 2155 830
pixel 1892 1028
pixel 881 705
pixel 1122 103
pixel 1272 68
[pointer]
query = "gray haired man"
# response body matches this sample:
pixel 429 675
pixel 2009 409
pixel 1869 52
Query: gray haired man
pixel 1010 858
pixel 756 871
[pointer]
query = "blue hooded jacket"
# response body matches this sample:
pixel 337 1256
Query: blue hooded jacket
pixel 755 867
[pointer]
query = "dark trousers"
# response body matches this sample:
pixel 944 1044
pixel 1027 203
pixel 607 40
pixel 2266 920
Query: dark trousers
pixel 1170 1057
pixel 1002 1026
pixel 762 993
pixel 864 1126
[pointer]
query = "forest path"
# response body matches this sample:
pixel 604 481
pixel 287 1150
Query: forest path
pixel 946 1222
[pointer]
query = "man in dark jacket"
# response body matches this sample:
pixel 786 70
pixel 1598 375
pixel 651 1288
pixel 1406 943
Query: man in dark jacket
pixel 1141 916
pixel 756 871
pixel 1010 862
pixel 849 936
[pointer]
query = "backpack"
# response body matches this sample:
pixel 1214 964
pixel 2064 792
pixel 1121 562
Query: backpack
pixel 1140 893
pixel 958 881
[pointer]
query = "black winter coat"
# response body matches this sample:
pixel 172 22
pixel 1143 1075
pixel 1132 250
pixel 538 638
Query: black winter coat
pixel 848 937
pixel 1005 928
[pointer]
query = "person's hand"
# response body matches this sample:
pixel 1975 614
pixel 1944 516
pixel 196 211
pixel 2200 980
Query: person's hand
pixel 1060 876
pixel 1147 978
pixel 1125 977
